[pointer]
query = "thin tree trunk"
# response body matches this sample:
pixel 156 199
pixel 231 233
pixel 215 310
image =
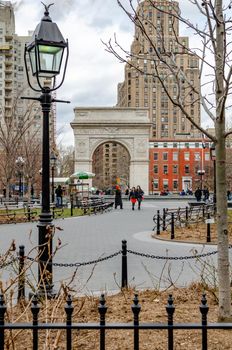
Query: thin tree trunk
pixel 222 226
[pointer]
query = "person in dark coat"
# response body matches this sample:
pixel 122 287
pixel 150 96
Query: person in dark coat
pixel 206 193
pixel 59 194
pixel 118 197
pixel 133 197
pixel 139 196
pixel 198 194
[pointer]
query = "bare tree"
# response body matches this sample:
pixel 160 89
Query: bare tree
pixel 65 160
pixel 213 30
pixel 12 130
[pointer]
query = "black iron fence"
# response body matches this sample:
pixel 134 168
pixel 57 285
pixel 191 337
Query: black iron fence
pixel 102 326
pixel 169 219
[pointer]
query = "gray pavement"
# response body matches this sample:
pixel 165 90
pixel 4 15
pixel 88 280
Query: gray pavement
pixel 91 237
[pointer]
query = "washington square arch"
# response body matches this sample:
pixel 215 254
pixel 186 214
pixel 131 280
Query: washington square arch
pixel 129 127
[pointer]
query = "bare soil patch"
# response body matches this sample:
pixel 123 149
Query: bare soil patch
pixel 194 233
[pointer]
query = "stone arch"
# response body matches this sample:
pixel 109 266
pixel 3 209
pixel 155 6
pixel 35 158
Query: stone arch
pixel 129 127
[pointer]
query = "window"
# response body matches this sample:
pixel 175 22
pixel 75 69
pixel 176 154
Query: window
pixel 186 155
pixel 175 184
pixel 175 145
pixel 156 184
pixel 207 156
pixel 165 144
pixel 165 169
pixel 175 169
pixel 155 156
pixel 165 184
pixel 156 169
pixel 155 144
pixel 165 156
pixel 197 156
pixel 186 169
pixel 197 145
pixel 175 156
pixel 186 144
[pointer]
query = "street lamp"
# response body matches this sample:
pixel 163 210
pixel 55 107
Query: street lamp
pixel 213 158
pixel 53 160
pixel 201 174
pixel 45 54
pixel 20 162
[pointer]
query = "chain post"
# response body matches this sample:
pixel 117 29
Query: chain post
pixel 203 211
pixel 35 311
pixel 71 204
pixel 158 223
pixel 204 311
pixel 2 321
pixel 164 219
pixel 136 308
pixel 21 274
pixel 102 308
pixel 208 238
pixel 29 213
pixel 69 310
pixel 186 216
pixel 172 227
pixel 124 283
pixel 170 308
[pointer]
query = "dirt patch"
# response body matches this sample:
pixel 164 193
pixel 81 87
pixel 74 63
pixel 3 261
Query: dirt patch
pixel 193 233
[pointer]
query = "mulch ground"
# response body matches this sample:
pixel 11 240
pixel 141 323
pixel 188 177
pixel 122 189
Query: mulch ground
pixel 196 233
pixel 153 303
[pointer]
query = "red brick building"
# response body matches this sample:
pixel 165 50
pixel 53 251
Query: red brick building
pixel 177 164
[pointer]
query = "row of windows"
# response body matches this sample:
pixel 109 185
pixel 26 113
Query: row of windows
pixel 165 184
pixel 175 169
pixel 175 156
pixel 177 145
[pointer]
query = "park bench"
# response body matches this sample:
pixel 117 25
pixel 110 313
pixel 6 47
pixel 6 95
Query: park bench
pixel 94 205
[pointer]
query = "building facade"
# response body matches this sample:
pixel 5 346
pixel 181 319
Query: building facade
pixel 178 164
pixel 147 65
pixel 13 80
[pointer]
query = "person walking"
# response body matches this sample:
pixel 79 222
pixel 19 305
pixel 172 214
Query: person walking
pixel 205 194
pixel 139 196
pixel 118 197
pixel 133 197
pixel 59 193
pixel 198 194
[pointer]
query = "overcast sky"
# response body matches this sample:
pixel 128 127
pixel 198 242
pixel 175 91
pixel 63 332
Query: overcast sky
pixel 92 73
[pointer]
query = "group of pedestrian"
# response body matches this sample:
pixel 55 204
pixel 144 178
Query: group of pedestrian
pixel 199 193
pixel 135 196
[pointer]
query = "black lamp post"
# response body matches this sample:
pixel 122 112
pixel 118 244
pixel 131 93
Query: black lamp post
pixel 201 173
pixel 45 53
pixel 20 162
pixel 53 160
pixel 213 158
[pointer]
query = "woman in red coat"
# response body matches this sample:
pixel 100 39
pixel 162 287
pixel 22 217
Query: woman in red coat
pixel 133 197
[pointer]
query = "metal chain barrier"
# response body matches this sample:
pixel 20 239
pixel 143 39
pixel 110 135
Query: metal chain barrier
pixel 187 257
pixel 77 264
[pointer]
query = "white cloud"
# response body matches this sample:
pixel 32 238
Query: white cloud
pixel 92 73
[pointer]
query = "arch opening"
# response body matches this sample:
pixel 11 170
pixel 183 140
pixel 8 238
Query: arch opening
pixel 111 165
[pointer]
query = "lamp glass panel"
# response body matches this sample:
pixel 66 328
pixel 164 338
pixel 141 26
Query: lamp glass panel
pixel 32 60
pixel 50 58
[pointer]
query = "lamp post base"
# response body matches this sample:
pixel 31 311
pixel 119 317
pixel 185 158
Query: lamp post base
pixel 45 273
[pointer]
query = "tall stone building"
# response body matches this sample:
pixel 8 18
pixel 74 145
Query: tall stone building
pixel 13 80
pixel 142 88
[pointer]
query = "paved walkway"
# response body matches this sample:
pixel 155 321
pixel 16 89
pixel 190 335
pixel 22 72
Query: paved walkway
pixel 90 237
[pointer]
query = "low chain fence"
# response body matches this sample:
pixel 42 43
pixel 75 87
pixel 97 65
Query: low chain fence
pixel 124 252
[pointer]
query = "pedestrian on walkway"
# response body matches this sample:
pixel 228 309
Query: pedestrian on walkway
pixel 132 197
pixel 59 194
pixel 198 194
pixel 139 196
pixel 118 197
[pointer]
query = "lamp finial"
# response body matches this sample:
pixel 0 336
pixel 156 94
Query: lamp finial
pixel 47 8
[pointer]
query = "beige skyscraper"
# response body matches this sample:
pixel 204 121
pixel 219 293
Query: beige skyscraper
pixel 142 88
pixel 13 80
